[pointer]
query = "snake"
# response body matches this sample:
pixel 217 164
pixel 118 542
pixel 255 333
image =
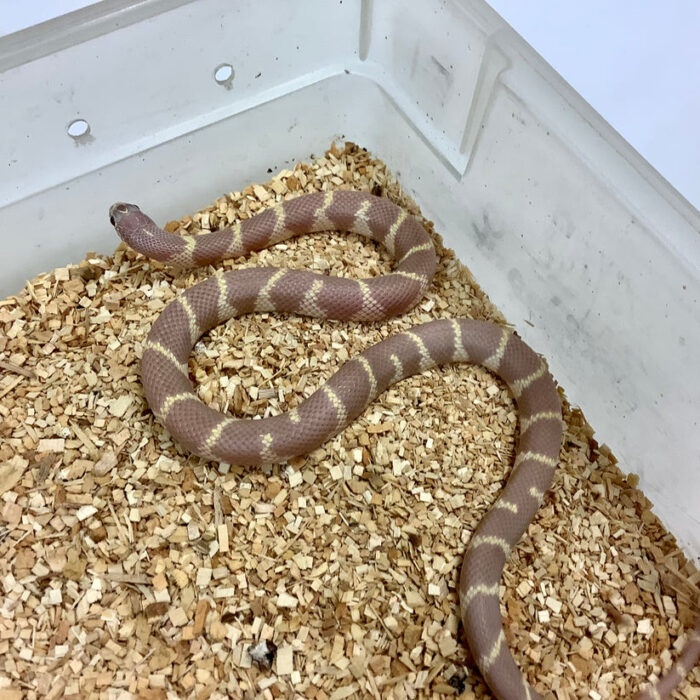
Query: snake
pixel 215 436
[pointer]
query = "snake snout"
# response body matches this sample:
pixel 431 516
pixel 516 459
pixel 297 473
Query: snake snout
pixel 120 209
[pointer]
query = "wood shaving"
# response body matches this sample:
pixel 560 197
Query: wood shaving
pixel 129 568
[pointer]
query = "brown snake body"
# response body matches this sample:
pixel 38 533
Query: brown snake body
pixel 212 435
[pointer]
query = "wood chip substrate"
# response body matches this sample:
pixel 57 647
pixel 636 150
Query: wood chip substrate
pixel 131 569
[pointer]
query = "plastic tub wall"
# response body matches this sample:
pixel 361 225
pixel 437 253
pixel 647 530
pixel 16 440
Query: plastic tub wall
pixel 586 249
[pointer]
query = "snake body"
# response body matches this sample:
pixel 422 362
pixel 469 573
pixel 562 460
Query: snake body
pixel 212 435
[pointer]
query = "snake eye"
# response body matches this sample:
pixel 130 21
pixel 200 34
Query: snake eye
pixel 111 220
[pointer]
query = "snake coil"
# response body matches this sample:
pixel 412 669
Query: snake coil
pixel 212 435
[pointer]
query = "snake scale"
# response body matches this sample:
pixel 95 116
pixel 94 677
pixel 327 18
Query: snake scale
pixel 214 436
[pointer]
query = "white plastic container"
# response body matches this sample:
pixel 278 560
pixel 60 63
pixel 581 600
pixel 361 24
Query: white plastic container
pixel 586 249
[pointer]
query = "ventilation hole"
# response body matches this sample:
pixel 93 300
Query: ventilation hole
pixel 223 75
pixel 78 128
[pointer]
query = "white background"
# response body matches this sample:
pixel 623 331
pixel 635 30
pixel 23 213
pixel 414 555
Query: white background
pixel 637 62
pixel 19 14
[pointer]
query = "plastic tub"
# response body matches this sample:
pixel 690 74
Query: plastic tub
pixel 585 248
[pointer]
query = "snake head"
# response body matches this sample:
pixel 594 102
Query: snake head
pixel 119 212
pixel 135 228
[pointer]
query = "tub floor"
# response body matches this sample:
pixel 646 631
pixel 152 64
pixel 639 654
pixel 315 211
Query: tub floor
pixel 130 568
